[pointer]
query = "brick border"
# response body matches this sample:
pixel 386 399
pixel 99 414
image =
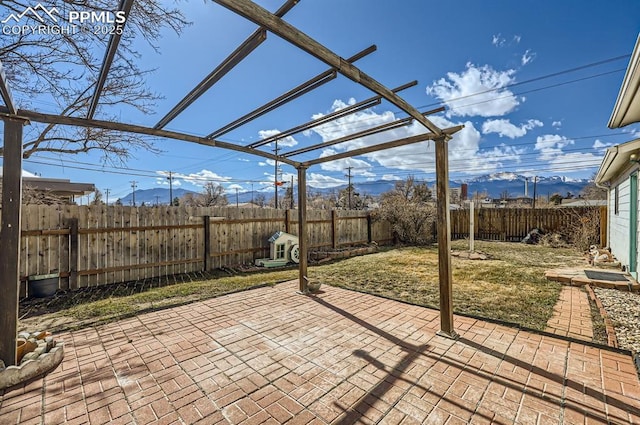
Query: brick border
pixel 612 341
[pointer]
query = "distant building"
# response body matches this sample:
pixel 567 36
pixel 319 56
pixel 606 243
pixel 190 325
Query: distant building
pixel 60 188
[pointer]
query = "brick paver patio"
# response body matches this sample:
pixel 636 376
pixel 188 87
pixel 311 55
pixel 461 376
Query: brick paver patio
pixel 271 356
pixel 572 315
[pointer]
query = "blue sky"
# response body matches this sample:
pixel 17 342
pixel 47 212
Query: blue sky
pixel 548 73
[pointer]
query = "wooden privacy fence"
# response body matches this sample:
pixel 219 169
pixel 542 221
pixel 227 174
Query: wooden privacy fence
pixel 513 224
pixel 97 245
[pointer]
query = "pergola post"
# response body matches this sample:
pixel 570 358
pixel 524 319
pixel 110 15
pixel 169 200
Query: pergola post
pixel 302 229
pixel 444 238
pixel 10 237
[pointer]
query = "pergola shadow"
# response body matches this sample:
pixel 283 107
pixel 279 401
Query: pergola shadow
pixel 413 352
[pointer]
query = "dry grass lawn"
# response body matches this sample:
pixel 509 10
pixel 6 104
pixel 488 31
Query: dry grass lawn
pixel 510 286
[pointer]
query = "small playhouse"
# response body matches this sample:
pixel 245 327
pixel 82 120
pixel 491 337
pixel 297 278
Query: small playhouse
pixel 283 249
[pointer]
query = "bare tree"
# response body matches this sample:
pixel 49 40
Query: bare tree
pixel 212 195
pixel 97 198
pixel 63 68
pixel 591 191
pixel 260 200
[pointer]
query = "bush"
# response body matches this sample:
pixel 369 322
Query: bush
pixel 583 229
pixel 409 212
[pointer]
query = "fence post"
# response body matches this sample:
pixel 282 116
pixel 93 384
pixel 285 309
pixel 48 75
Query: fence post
pixel 369 236
pixel 471 227
pixel 287 221
pixel 334 229
pixel 206 222
pixel 74 246
pixel 603 226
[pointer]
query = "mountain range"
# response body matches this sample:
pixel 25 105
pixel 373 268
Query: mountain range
pixel 492 185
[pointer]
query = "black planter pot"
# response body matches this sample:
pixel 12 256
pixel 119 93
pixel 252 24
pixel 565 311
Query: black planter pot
pixel 43 285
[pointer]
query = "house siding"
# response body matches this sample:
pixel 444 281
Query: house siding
pixel 620 222
pixel 619 237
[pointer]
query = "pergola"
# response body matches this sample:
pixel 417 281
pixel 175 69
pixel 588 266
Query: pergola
pixel 14 119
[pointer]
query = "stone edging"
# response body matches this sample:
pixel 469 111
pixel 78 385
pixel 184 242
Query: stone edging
pixel 612 341
pixel 30 369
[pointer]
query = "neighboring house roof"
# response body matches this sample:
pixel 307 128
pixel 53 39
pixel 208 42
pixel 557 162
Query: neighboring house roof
pixel 59 187
pixel 616 160
pixel 583 203
pixel 627 108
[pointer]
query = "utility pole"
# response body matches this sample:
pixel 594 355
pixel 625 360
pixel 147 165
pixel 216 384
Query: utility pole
pixel 170 178
pixel 252 194
pixel 133 194
pixel 349 186
pixel 275 183
pixel 157 197
pixel 236 197
pixel 535 185
pixel 106 191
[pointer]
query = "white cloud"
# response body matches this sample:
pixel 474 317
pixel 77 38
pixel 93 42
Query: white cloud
pixel 551 149
pixel 244 160
pixel 556 124
pixel 465 153
pixel 322 181
pixel 351 123
pixel 527 57
pixel 285 141
pixel 267 162
pixel 498 40
pixel 197 179
pixel 601 145
pixel 233 187
pixel 390 177
pixel 359 167
pixel 551 145
pixel 490 97
pixel 505 128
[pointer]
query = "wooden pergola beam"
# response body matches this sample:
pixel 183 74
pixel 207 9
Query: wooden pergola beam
pixel 294 93
pixel 249 45
pixel 287 97
pixel 5 92
pixel 382 146
pixel 138 129
pixel 368 132
pixel 363 104
pixel 262 17
pixel 303 278
pixel 351 109
pixel 10 237
pixel 443 218
pixel 109 55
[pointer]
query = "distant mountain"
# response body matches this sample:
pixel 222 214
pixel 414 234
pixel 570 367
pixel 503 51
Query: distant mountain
pixel 514 185
pixel 158 195
pixel 495 185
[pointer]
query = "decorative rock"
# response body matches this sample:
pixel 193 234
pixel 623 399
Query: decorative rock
pixel 24 335
pixel 623 308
